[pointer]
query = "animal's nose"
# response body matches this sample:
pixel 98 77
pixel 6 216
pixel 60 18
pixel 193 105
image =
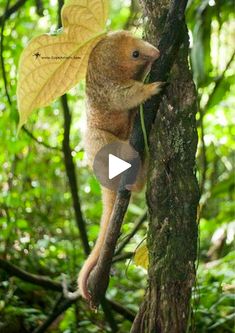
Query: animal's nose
pixel 155 54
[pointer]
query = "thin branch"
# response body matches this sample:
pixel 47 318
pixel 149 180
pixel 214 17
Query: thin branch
pixel 127 239
pixel 3 21
pixel 109 315
pixel 169 45
pixel 60 5
pixel 122 257
pixel 218 81
pixel 39 6
pixel 71 174
pixel 57 311
pixel 12 10
pixel 126 313
pixel 59 304
pixel 28 277
pixel 42 143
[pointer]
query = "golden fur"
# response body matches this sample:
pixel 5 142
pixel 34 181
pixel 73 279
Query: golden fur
pixel 114 88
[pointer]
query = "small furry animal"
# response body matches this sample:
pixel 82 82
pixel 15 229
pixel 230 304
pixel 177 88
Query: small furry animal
pixel 114 87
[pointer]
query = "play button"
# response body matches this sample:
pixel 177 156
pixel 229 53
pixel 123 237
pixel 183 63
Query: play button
pixel 116 165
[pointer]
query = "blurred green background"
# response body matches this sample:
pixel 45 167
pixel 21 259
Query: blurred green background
pixel 38 231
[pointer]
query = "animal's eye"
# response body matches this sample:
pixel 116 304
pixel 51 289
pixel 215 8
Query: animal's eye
pixel 135 54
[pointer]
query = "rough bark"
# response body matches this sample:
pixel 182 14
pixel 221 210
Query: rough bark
pixel 172 194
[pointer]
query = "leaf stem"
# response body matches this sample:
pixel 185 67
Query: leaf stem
pixel 144 130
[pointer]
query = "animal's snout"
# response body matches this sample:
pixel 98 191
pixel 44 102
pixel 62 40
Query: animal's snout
pixel 152 54
pixel 155 53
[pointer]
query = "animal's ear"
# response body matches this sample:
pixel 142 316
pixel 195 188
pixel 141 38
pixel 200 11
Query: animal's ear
pixel 52 64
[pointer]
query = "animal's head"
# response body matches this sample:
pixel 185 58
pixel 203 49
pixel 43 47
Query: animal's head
pixel 124 56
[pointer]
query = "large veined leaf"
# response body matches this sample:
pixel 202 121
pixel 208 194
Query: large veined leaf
pixel 52 64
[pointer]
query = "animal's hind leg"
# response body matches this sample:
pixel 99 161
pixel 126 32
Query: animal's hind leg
pixel 141 178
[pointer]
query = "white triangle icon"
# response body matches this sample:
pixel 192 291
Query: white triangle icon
pixel 117 166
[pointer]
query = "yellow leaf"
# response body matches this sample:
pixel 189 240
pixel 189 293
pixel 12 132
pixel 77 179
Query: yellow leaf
pixel 89 14
pixel 52 64
pixel 141 257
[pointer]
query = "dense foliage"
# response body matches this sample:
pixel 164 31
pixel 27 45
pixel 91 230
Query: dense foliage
pixel 39 231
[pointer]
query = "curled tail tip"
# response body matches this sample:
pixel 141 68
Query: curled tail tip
pixel 83 279
pixel 85 272
pixel 83 288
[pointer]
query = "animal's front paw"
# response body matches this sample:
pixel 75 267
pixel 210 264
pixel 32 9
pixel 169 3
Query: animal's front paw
pixel 156 87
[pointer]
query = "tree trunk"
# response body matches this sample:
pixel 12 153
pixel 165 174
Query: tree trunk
pixel 172 195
